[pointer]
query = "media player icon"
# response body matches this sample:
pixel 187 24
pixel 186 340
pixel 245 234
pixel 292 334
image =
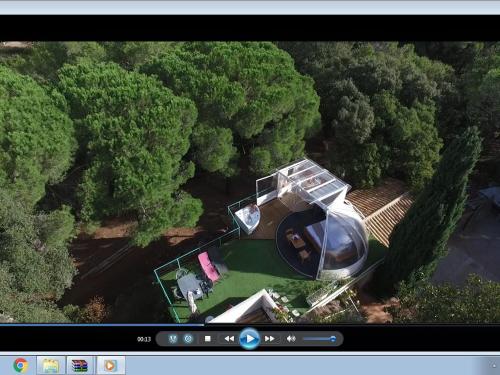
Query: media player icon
pixel 269 338
pixel 229 338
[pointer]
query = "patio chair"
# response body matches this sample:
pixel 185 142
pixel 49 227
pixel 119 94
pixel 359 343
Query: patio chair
pixel 217 261
pixel 207 286
pixel 176 293
pixel 207 267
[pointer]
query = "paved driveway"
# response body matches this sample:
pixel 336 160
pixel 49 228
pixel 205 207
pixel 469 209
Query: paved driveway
pixel 473 250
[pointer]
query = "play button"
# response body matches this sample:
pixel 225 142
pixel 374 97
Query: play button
pixel 249 339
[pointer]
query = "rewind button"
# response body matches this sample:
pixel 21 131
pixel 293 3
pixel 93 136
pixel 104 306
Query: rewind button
pixel 227 338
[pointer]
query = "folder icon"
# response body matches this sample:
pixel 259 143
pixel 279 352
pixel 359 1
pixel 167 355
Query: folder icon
pixel 50 366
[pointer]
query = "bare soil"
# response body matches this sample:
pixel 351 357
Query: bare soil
pixel 372 308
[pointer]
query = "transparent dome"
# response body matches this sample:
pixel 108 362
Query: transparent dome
pixel 345 243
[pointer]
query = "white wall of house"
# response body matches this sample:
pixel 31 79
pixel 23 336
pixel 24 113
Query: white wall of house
pixel 261 299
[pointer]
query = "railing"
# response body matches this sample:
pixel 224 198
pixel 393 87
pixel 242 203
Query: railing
pixel 233 233
pixel 322 293
pixel 232 208
pixel 187 257
pixel 217 241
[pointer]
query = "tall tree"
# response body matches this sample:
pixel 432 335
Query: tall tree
pixel 134 134
pixel 250 100
pixel 421 238
pixel 36 137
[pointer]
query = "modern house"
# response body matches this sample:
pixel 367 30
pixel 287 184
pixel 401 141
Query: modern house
pixel 294 245
pixel 331 237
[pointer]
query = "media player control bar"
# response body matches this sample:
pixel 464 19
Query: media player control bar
pixel 261 338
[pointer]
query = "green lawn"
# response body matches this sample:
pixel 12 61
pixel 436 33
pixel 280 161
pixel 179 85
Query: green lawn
pixel 253 265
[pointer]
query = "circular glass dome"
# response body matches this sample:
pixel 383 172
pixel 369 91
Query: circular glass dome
pixel 344 245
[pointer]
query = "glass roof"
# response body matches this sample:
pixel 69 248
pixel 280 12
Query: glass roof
pixel 318 183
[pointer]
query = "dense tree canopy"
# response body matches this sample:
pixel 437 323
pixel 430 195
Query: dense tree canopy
pixel 250 99
pixel 134 133
pixel 483 82
pixel 34 247
pixel 420 239
pixel 35 266
pixel 44 59
pixel 380 103
pixel 471 98
pixel 460 55
pixel 24 307
pixel 36 137
pixel 477 302
pixel 130 55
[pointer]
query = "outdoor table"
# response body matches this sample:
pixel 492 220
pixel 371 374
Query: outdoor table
pixel 190 283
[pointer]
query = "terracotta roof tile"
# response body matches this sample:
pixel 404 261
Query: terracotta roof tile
pixel 383 207
pixel 371 200
pixel 382 223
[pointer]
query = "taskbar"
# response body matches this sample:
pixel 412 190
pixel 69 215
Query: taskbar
pixel 212 337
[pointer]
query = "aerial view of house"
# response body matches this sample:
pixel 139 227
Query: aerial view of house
pixel 249 182
pixel 297 227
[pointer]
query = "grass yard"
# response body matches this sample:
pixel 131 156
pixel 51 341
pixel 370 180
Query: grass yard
pixel 253 265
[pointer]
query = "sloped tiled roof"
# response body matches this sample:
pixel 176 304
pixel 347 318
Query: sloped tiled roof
pixel 371 200
pixel 382 223
pixel 382 206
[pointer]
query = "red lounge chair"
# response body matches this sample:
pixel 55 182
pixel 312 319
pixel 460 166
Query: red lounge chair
pixel 208 267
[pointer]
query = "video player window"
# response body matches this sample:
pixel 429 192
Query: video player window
pixel 249 182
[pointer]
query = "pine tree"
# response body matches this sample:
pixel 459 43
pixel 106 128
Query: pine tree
pixel 420 239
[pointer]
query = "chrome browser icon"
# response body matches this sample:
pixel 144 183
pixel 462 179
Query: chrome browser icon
pixel 21 365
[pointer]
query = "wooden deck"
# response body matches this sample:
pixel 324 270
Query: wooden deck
pixel 271 215
pixel 383 207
